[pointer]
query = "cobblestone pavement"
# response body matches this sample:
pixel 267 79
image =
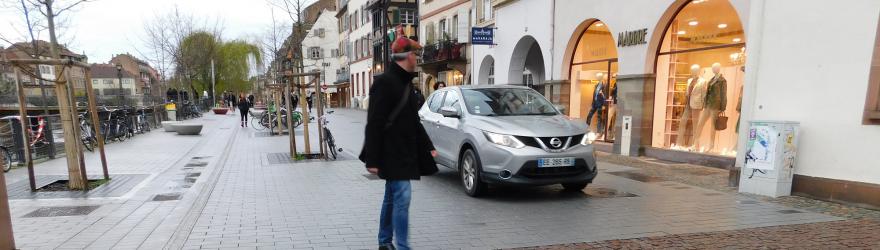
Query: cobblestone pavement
pixel 848 234
pixel 716 179
pixel 256 204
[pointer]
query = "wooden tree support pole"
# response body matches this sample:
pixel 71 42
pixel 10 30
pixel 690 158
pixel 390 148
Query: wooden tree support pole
pixel 96 126
pixel 25 124
pixel 7 240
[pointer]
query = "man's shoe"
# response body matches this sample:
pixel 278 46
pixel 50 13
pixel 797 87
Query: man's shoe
pixel 387 247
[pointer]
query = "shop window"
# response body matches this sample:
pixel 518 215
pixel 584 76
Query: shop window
pixel 700 70
pixel 872 104
pixel 592 80
pixel 491 80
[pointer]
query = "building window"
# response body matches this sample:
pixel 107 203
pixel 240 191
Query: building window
pixel 314 52
pixel 407 16
pixel 491 80
pixel 700 72
pixel 485 10
pixel 454 29
pixel 46 70
pixel 872 104
pixel 442 30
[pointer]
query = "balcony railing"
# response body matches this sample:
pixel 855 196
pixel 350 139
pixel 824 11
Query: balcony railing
pixel 450 50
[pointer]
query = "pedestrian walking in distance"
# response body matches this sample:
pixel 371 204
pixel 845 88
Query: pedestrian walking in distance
pixel 243 106
pixel 396 146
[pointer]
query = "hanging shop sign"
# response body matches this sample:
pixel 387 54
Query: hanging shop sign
pixel 632 38
pixel 482 36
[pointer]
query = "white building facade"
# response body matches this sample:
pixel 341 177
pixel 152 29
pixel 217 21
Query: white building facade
pixel 692 73
pixel 358 51
pixel 321 49
pixel 445 33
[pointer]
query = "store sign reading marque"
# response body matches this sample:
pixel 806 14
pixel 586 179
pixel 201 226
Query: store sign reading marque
pixel 632 37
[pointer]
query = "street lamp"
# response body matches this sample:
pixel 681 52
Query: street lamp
pixel 119 74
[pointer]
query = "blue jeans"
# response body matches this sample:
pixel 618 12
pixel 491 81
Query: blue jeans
pixel 394 219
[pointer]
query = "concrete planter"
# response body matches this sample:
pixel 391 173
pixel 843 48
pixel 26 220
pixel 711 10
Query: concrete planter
pixel 220 111
pixel 187 129
pixel 169 125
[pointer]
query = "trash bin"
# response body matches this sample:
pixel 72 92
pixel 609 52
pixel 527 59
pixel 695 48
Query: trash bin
pixel 771 152
pixel 171 109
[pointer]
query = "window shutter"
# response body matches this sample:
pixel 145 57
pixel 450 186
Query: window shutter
pixel 463 29
pixel 395 14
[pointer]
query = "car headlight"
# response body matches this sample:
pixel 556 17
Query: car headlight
pixel 588 138
pixel 504 140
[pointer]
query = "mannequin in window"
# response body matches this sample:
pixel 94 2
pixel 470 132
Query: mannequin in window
pixel 693 105
pixel 598 102
pixel 716 101
pixel 612 107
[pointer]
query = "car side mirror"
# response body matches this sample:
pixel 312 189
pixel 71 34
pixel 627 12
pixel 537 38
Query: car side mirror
pixel 449 112
pixel 560 108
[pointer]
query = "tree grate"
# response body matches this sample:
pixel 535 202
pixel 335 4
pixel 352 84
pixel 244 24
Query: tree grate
pixel 61 211
pixel 167 197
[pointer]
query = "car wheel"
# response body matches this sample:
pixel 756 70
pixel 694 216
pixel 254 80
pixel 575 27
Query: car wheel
pixel 469 168
pixel 574 187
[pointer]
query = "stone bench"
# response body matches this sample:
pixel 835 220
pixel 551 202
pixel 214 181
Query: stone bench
pixel 168 125
pixel 187 128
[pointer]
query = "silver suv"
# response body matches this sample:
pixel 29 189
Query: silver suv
pixel 507 135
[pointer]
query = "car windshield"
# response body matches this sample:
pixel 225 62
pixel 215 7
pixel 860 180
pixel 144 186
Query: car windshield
pixel 506 102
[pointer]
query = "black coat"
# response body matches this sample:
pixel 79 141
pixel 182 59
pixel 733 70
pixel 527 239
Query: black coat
pixel 401 150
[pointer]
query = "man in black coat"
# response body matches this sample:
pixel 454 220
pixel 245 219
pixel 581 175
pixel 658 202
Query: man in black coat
pixel 396 146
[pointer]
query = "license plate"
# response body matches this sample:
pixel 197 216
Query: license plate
pixel 555 162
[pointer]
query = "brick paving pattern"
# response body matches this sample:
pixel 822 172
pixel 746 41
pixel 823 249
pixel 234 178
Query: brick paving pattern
pixel 848 234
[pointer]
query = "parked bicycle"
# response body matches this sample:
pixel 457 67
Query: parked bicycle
pixel 328 137
pixel 87 134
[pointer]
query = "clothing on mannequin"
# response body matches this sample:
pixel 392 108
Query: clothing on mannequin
pixel 716 102
pixel 690 113
pixel 598 103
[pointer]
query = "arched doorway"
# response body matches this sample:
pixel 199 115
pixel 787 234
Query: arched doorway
pixel 527 64
pixel 592 75
pixel 700 72
pixel 487 71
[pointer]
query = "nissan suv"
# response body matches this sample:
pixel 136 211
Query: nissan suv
pixel 509 135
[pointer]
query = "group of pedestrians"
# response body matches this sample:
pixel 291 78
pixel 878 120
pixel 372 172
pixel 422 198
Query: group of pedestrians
pixel 242 102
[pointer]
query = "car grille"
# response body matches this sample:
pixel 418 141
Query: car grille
pixel 532 142
pixel 531 170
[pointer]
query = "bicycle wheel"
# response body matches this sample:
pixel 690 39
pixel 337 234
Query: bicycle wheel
pixel 331 144
pixel 257 122
pixel 7 159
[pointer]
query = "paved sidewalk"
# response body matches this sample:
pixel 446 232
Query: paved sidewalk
pixel 129 218
pixel 319 205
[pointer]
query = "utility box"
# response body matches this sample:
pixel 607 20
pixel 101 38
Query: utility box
pixel 626 135
pixel 771 153
pixel 171 109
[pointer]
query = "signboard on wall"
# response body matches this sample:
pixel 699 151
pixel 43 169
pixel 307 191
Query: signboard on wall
pixel 482 36
pixel 632 38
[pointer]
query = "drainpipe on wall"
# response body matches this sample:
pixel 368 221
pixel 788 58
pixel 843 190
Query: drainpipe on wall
pixel 552 39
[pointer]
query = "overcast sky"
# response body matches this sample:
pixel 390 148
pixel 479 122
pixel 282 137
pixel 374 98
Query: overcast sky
pixel 103 28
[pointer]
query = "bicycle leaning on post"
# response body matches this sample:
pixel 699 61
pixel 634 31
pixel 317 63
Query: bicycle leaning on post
pixel 328 137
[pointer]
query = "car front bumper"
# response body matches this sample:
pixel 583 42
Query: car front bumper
pixel 522 165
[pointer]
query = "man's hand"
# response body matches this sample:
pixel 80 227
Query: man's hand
pixel 373 170
pixel 434 153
